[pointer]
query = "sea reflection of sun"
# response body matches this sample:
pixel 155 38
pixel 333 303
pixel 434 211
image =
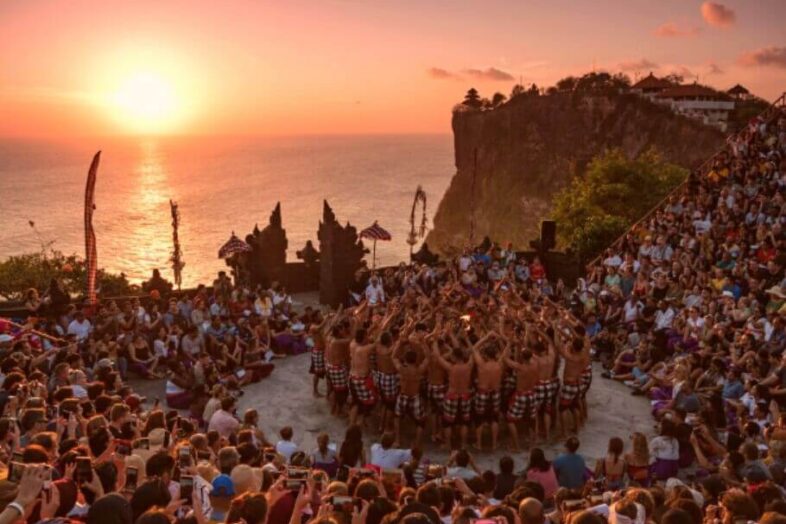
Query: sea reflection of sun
pixel 151 232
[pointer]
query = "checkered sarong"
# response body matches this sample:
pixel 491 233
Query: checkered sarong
pixel 522 405
pixel 569 394
pixel 388 384
pixel 586 380
pixel 456 408
pixel 546 393
pixel 412 406
pixel 486 404
pixel 508 383
pixel 317 362
pixel 363 390
pixel 337 377
pixel 436 396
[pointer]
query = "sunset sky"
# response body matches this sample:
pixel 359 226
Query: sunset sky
pixel 73 68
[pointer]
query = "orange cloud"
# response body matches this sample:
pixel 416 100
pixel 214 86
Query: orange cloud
pixel 439 73
pixel 638 65
pixel 492 73
pixel 717 15
pixel 672 30
pixel 772 56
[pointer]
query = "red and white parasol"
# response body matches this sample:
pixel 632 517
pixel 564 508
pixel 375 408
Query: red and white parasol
pixel 375 232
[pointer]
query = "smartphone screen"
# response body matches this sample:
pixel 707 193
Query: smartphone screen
pixel 122 447
pixel 293 484
pixel 184 457
pixel 15 470
pixel 84 469
pixel 343 504
pixel 132 476
pixel 186 487
pixel 142 443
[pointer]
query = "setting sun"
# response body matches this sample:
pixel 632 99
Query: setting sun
pixel 147 103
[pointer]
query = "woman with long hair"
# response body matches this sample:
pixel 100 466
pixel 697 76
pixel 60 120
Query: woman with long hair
pixel 352 453
pixel 638 460
pixel 324 457
pixel 611 468
pixel 541 471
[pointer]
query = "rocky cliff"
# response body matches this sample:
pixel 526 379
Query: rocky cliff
pixel 511 160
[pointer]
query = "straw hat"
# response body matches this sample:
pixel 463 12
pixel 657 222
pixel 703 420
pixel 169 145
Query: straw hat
pixel 777 291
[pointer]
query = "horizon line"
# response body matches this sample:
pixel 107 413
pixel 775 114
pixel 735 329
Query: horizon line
pixel 71 138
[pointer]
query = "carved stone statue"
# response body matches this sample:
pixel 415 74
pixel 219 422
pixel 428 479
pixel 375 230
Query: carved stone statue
pixel 268 257
pixel 341 254
pixel 425 256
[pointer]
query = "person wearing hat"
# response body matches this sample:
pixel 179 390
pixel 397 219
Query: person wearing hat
pixel 777 299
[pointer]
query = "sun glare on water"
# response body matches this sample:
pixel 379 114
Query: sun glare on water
pixel 147 103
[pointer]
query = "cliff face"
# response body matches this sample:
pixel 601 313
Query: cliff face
pixel 526 150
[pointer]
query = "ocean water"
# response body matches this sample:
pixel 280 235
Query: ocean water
pixel 221 185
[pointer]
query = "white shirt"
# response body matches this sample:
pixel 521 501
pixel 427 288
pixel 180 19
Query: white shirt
pixel 286 448
pixel 462 473
pixel 375 294
pixel 632 309
pixel 80 329
pixel 665 448
pixel 613 261
pixel 663 319
pixel 389 458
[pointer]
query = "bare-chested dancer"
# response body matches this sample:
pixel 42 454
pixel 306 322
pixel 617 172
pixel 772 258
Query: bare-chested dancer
pixel 437 387
pixel 317 334
pixel 576 355
pixel 361 382
pixel 547 389
pixel 387 378
pixel 488 360
pixel 410 400
pixel 457 406
pixel 337 364
pixel 523 403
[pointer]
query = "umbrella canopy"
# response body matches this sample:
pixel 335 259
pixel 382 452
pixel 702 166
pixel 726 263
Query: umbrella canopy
pixel 233 245
pixel 375 232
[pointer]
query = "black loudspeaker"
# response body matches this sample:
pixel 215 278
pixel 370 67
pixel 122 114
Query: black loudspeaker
pixel 548 235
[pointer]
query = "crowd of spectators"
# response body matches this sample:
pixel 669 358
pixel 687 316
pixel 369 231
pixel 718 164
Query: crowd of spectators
pixel 687 310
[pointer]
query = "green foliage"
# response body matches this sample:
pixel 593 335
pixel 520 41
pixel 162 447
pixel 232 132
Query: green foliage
pixel 613 194
pixel 744 111
pixel 35 270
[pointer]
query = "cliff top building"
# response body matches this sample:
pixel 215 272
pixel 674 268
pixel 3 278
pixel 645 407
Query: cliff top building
pixel 650 85
pixel 739 92
pixel 695 101
pixel 698 102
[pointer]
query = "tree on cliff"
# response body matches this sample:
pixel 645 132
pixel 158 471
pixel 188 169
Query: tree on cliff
pixel 498 99
pixel 615 192
pixel 472 99
pixel 602 81
pixel 18 273
pixel 517 90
